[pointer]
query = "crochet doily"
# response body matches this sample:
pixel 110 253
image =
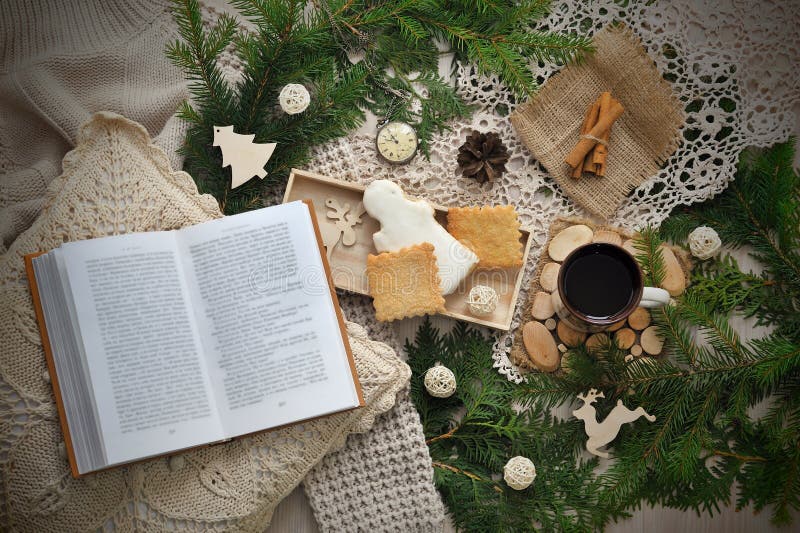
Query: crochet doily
pixel 733 64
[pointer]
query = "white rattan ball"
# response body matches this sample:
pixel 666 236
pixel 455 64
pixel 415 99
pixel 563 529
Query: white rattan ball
pixel 704 242
pixel 482 300
pixel 519 472
pixel 294 98
pixel 440 381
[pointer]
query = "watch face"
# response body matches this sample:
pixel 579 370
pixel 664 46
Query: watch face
pixel 397 142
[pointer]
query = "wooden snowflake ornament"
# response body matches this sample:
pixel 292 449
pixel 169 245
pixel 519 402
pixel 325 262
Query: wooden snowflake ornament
pixel 245 157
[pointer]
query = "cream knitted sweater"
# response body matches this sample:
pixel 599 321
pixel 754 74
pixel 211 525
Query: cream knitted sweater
pixel 60 62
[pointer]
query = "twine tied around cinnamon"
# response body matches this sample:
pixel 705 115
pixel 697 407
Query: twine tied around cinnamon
pixel 590 152
pixel 598 140
pixel 643 138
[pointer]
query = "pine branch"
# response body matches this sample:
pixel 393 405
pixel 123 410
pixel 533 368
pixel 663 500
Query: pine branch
pixel 296 43
pixel 472 434
pixel 647 243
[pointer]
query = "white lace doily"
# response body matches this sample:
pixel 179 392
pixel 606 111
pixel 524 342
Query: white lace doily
pixel 733 63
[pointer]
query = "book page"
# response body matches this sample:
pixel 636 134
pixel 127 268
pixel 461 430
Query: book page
pixel 276 353
pixel 142 347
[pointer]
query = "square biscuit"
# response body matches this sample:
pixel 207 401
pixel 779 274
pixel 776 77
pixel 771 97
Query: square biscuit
pixel 491 232
pixel 405 283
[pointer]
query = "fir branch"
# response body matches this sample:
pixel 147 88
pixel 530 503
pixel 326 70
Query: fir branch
pixel 472 434
pixel 648 245
pixel 294 42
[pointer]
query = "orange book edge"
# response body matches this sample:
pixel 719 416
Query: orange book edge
pixel 51 366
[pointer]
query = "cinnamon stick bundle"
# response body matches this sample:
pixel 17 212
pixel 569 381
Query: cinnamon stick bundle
pixel 588 122
pixel 592 149
pixel 600 150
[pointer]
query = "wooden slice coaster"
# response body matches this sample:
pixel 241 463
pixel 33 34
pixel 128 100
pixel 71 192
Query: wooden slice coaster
pixel 615 326
pixel 569 336
pixel 629 247
pixel 625 338
pixel 549 278
pixel 639 319
pixel 541 347
pixel 542 307
pixel 596 341
pixel 674 278
pixel 652 341
pixel 567 240
pixel 604 235
pixel 565 235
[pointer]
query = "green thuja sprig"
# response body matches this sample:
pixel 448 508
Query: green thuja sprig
pixel 472 434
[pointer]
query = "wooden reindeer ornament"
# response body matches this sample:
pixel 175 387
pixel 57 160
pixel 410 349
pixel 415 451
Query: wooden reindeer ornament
pixel 342 228
pixel 601 433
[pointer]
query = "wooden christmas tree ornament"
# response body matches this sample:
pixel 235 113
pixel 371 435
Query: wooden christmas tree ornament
pixel 245 157
pixel 601 433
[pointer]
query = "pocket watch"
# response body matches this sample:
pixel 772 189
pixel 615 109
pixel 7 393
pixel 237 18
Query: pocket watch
pixel 397 142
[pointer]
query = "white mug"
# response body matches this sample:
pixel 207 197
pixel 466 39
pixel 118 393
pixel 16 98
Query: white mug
pixel 600 284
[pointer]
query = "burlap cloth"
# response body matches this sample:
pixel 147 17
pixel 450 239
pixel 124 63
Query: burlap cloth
pixel 641 140
pixel 518 354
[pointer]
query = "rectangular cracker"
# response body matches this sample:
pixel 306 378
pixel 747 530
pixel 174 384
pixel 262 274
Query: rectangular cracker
pixel 405 283
pixel 492 232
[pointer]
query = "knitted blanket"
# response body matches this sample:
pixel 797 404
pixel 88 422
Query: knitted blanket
pixel 116 181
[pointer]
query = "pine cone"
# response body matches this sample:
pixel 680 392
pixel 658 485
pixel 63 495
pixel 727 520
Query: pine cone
pixel 483 157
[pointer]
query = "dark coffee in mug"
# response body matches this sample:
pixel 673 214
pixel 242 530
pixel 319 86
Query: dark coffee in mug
pixel 600 282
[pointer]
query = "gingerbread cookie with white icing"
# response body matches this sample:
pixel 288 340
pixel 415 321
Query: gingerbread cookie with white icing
pixel 406 222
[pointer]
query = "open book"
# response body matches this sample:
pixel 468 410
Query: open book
pixel 169 340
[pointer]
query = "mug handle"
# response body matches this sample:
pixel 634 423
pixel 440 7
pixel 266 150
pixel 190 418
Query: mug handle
pixel 654 297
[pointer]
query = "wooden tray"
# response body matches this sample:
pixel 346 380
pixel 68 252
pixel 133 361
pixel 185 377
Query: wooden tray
pixel 349 263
